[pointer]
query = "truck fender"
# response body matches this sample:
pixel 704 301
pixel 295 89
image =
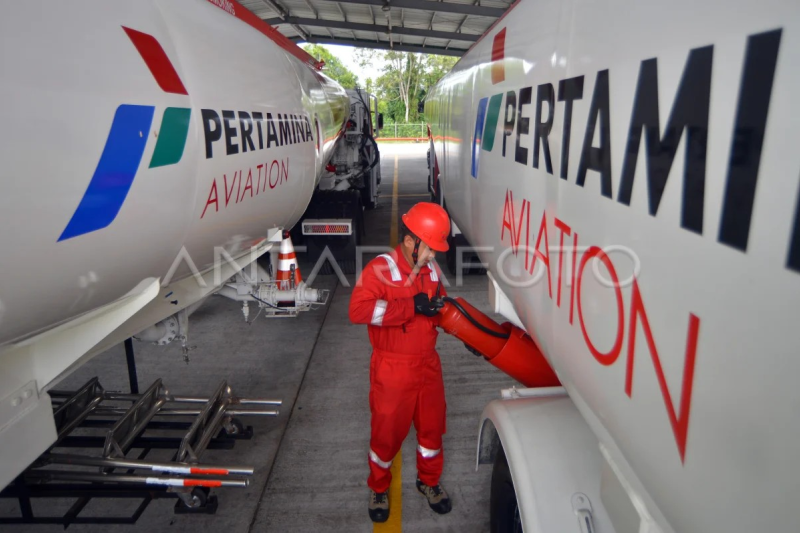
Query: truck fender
pixel 553 456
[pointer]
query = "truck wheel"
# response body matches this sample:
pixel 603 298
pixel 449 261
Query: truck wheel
pixel 503 509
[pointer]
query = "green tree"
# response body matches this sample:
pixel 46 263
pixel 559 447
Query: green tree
pixel 435 68
pixel 405 80
pixel 333 67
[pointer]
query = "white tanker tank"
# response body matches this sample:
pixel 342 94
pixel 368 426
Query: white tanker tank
pixel 146 147
pixel 628 172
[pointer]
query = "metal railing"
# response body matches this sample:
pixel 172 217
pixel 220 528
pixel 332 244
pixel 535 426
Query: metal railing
pixel 404 131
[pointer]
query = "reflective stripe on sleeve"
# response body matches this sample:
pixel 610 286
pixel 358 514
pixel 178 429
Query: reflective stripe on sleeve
pixel 377 314
pixel 427 453
pixel 377 460
pixel 392 267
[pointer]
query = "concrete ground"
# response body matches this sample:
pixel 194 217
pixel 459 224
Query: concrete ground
pixel 311 460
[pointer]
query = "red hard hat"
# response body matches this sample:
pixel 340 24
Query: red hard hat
pixel 430 223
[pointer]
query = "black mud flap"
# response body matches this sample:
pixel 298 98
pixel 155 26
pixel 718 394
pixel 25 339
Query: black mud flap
pixel 342 205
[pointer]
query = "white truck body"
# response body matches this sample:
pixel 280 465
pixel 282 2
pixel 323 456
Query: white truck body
pixel 147 146
pixel 629 173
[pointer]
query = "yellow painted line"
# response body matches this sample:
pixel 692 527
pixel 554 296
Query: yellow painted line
pixel 395 186
pixel 395 522
pixel 413 195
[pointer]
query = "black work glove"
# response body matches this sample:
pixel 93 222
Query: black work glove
pixel 424 306
pixel 472 350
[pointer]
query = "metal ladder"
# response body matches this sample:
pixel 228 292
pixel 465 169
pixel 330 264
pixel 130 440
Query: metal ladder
pixel 97 475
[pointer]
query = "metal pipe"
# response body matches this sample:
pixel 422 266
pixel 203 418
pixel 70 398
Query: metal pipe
pixel 77 406
pixel 257 401
pixel 205 437
pixel 190 399
pixel 173 468
pixel 130 357
pixel 66 475
pixel 91 407
pixel 135 420
pixel 535 392
pixel 302 294
pixel 384 45
pixel 107 411
pixel 431 5
pixel 239 412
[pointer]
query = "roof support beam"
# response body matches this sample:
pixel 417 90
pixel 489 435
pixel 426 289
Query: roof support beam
pixel 371 12
pixel 430 27
pixel 316 16
pixel 384 45
pixel 284 13
pixel 458 30
pixel 356 26
pixel 344 16
pixel 402 23
pixel 429 5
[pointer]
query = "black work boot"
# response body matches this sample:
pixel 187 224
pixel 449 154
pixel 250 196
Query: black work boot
pixel 379 506
pixel 437 497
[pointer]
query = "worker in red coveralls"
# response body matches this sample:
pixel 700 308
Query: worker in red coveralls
pixel 398 297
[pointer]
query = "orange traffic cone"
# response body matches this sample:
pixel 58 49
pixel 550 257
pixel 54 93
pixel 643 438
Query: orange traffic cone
pixel 287 259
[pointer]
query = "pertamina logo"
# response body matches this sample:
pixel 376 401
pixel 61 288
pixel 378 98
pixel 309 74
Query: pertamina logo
pixel 530 117
pixel 126 142
pixel 484 137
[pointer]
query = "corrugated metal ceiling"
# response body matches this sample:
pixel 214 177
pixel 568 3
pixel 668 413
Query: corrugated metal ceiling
pixel 439 27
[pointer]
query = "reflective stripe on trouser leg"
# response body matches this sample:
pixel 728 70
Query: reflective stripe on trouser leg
pixel 377 460
pixel 429 420
pixel 427 453
pixel 430 464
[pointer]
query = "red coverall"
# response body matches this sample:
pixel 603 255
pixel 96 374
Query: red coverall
pixel 405 374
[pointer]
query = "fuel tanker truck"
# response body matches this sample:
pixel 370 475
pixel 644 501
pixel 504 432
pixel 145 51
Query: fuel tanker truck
pixel 627 172
pixel 163 147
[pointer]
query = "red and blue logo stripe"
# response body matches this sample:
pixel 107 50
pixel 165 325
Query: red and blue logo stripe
pixel 489 108
pixel 485 128
pixel 127 138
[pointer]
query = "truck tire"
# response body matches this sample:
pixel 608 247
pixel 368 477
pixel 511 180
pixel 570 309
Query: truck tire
pixel 503 509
